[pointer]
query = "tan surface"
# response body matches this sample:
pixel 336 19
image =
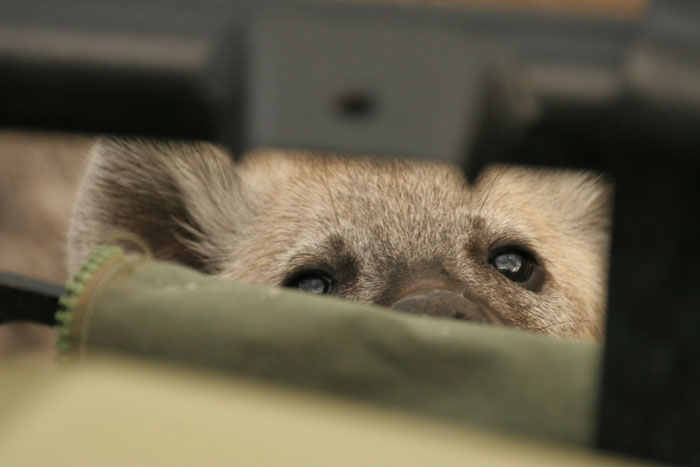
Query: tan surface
pixel 39 175
pixel 621 8
pixel 117 413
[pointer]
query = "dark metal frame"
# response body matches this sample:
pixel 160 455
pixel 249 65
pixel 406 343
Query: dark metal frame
pixel 26 299
pixel 466 86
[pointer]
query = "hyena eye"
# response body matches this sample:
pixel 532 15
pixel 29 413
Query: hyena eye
pixel 516 265
pixel 316 282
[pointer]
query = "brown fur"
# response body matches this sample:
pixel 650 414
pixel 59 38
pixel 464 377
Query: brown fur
pixel 379 226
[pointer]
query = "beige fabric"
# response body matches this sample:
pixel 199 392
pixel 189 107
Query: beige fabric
pixel 127 413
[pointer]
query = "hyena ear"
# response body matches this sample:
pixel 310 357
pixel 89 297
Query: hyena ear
pixel 586 200
pixel 176 197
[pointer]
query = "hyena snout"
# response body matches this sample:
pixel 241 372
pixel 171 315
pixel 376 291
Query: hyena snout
pixel 443 303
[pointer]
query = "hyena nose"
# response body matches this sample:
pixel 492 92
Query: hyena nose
pixel 441 303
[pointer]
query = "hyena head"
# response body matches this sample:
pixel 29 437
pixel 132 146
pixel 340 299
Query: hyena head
pixel 519 247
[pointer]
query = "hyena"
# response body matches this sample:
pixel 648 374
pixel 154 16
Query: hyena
pixel 518 247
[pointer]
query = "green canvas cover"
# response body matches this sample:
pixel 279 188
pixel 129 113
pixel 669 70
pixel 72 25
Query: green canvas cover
pixel 491 377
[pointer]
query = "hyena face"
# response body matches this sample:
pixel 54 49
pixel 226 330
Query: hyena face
pixel 525 248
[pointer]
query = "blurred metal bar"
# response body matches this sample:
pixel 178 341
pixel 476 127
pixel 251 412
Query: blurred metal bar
pixel 650 399
pixel 242 72
pixel 25 299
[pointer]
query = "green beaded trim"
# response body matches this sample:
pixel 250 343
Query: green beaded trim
pixel 68 302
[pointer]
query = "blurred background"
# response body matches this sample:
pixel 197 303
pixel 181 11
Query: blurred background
pixel 40 173
pixel 39 176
